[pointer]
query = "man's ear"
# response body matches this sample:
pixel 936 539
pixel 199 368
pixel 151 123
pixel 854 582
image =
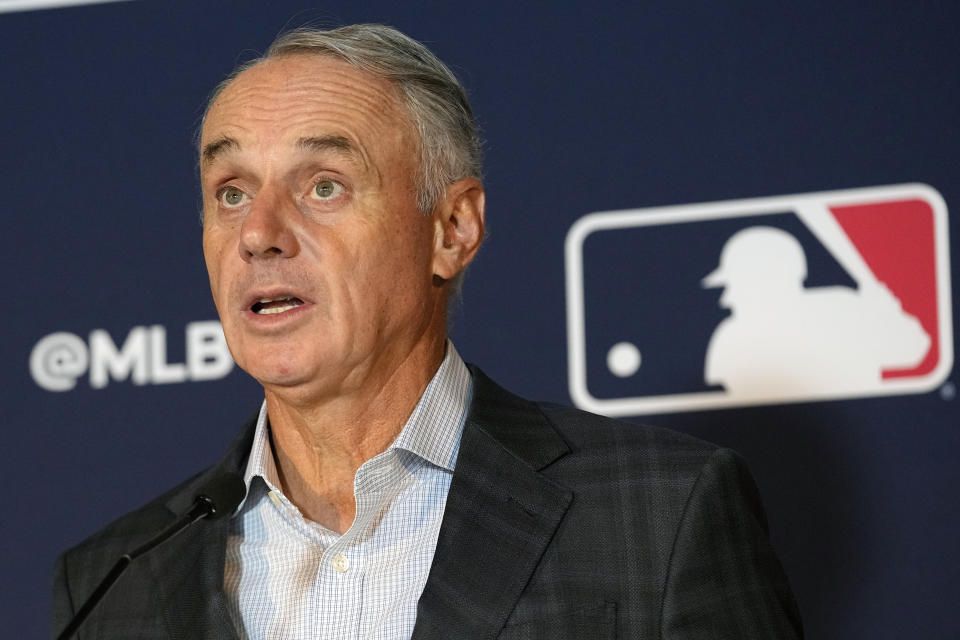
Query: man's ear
pixel 458 227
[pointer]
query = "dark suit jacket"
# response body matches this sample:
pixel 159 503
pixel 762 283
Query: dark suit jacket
pixel 558 524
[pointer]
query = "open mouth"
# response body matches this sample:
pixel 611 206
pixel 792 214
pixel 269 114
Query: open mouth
pixel 266 306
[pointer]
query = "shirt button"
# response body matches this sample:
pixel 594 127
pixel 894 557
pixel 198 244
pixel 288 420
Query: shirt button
pixel 341 563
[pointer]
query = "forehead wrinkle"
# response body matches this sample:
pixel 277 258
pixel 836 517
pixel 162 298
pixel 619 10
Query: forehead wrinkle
pixel 324 98
pixel 268 90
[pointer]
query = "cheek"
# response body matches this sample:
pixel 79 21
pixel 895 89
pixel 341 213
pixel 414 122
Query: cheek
pixel 213 254
pixel 403 273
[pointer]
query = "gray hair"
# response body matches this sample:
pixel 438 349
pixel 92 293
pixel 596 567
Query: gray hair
pixel 449 140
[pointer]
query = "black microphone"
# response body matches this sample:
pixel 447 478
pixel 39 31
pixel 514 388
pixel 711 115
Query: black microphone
pixel 217 498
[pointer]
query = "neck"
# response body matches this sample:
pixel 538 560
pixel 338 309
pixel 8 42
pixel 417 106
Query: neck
pixel 319 443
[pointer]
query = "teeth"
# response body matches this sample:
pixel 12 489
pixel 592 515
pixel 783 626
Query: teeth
pixel 279 304
pixel 270 310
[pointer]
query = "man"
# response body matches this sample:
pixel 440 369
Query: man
pixel 391 491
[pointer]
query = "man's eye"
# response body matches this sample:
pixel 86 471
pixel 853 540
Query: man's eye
pixel 328 189
pixel 231 196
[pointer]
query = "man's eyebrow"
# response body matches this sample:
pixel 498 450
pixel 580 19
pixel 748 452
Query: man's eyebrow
pixel 349 150
pixel 216 148
pixel 329 143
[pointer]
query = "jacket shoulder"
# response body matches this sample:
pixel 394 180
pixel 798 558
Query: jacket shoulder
pixel 583 427
pixel 624 465
pixel 140 523
pixel 546 433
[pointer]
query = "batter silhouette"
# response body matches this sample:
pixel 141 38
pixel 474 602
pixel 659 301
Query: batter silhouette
pixel 783 338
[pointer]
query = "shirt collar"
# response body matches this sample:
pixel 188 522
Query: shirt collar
pixel 432 431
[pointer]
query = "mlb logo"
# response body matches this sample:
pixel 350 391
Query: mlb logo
pixel 817 296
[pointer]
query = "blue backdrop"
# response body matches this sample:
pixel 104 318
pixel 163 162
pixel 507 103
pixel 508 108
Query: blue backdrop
pixel 585 108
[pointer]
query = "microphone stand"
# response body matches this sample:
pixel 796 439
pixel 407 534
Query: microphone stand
pixel 202 507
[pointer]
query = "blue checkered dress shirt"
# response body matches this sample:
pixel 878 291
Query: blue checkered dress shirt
pixel 288 577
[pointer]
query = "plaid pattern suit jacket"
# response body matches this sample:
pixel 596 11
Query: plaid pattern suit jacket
pixel 559 524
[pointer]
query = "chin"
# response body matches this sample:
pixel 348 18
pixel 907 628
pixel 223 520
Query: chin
pixel 275 369
pixel 279 379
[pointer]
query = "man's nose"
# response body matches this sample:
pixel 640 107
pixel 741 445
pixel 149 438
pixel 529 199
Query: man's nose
pixel 269 228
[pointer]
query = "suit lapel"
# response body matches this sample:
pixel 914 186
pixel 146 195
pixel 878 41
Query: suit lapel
pixel 500 515
pixel 189 567
pixel 191 588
